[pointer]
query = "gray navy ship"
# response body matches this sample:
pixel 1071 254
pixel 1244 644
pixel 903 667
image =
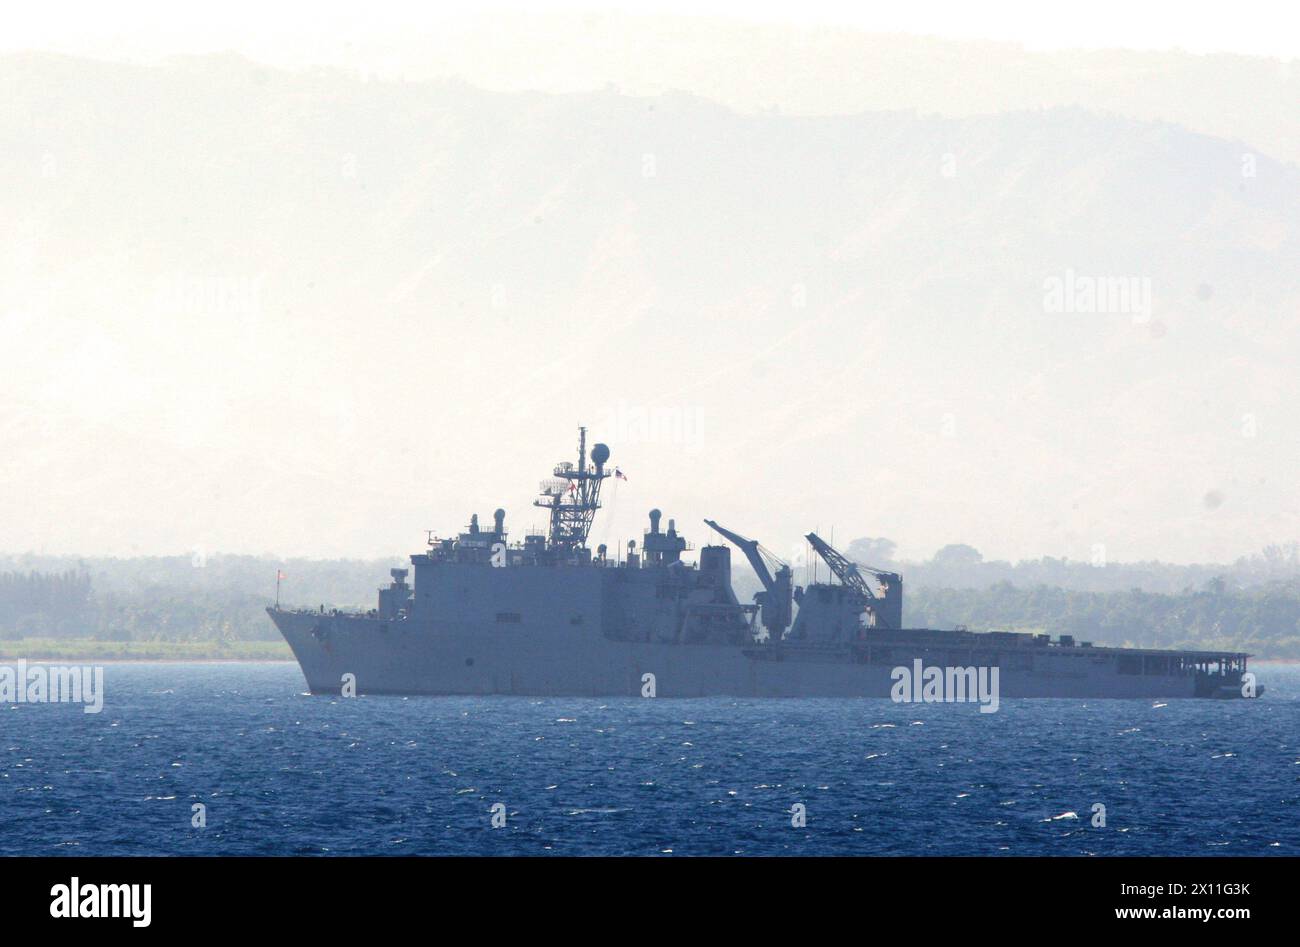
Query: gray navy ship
pixel 549 616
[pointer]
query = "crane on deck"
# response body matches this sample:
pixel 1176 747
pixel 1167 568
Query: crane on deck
pixel 776 578
pixel 887 607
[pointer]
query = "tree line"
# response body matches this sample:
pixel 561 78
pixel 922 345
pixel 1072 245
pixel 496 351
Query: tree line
pixel 1263 620
pixel 35 603
pixel 222 599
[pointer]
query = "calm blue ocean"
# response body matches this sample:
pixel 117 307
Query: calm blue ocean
pixel 280 772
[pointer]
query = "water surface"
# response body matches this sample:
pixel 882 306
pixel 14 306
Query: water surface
pixel 280 772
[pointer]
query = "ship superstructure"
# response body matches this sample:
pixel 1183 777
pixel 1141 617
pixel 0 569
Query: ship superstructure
pixel 551 616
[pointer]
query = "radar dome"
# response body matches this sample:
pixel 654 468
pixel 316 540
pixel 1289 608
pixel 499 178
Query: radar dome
pixel 599 454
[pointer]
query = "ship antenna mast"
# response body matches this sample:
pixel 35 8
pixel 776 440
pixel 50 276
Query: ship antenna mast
pixel 572 496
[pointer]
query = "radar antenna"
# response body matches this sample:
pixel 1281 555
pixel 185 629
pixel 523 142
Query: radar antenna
pixel 572 496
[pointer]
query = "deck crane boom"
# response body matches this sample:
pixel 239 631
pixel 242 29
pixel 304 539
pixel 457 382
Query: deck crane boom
pixel 887 607
pixel 776 578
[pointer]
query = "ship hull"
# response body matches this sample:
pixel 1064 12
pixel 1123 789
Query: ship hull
pixel 408 657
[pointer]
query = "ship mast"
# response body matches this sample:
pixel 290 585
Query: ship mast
pixel 572 496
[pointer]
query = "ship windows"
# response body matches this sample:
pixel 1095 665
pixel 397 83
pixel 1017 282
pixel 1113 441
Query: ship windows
pixel 508 618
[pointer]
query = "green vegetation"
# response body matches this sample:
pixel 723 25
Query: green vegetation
pixel 187 608
pixel 1263 620
pixel 165 607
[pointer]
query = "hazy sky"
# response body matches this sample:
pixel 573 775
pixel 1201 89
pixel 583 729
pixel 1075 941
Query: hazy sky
pixel 258 311
pixel 285 34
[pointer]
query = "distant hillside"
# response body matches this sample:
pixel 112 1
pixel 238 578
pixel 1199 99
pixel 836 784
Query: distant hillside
pixel 256 310
pixel 822 70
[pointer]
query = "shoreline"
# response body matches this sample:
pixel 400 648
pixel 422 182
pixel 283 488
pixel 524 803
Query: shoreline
pixel 88 650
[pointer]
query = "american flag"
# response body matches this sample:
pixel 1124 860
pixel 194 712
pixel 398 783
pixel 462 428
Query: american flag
pixel 618 474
